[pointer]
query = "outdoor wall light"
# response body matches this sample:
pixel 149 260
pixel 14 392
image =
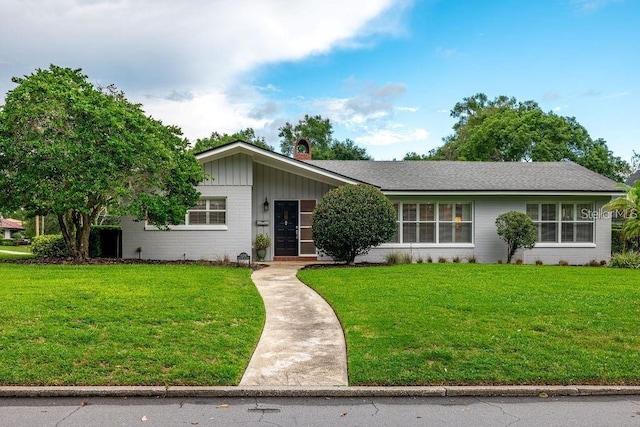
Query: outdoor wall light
pixel 265 205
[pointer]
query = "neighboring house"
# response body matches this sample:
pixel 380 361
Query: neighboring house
pixel 445 209
pixel 9 226
pixel 633 178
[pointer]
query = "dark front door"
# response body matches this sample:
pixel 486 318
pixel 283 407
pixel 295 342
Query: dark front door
pixel 286 228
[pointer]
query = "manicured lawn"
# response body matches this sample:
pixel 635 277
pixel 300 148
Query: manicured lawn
pixel 126 324
pixel 486 324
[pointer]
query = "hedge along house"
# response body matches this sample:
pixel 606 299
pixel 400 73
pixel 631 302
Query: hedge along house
pixel 445 209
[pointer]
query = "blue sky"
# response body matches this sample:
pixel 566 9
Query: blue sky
pixel 386 72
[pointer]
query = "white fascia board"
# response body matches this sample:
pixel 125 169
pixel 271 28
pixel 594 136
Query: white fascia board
pixel 501 193
pixel 277 161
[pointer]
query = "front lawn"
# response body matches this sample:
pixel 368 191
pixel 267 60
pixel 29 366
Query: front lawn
pixel 486 324
pixel 126 324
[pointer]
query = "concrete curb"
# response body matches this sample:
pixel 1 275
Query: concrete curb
pixel 320 391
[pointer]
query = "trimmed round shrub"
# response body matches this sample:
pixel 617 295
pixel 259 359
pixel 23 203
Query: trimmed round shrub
pixel 49 246
pixel 351 219
pixel 517 230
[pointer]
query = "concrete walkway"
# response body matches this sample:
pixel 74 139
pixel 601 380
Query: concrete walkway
pixel 13 252
pixel 302 343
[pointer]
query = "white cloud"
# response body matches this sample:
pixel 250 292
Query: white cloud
pixel 373 104
pixel 188 61
pixel 393 136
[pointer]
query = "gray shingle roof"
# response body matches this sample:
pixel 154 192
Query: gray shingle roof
pixel 634 177
pixel 471 176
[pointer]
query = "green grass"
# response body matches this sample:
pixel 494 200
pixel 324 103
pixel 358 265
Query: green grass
pixel 486 324
pixel 126 324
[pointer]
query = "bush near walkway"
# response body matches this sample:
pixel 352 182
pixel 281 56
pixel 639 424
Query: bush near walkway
pixel 479 324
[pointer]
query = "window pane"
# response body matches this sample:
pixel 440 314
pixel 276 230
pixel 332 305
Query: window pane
pixel 463 233
pixel 217 218
pixel 409 212
pixel 409 232
pixel 307 205
pixel 445 212
pixel 584 232
pixel 427 212
pixel 427 233
pixel 567 212
pixel 567 232
pixel 306 219
pixel 307 248
pixel 445 233
pixel 463 212
pixel 584 211
pixel 197 217
pixel 532 211
pixel 217 205
pixel 548 232
pixel 201 206
pixel 548 212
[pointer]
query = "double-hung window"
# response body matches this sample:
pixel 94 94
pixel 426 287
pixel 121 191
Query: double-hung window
pixel 562 222
pixel 208 212
pixel 433 222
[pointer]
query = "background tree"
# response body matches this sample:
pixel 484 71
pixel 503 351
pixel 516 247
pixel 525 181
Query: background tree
pixel 517 230
pixel 71 149
pixel 351 219
pixel 319 132
pixel 505 129
pixel 216 139
pixel 628 206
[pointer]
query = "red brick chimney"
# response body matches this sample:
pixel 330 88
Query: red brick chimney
pixel 302 149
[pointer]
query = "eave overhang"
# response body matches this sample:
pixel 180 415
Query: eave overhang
pixel 276 161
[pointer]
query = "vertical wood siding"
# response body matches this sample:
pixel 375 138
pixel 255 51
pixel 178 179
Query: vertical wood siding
pixel 275 184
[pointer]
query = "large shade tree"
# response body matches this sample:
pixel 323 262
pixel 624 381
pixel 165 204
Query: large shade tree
pixel 217 139
pixel 504 129
pixel 72 149
pixel 319 132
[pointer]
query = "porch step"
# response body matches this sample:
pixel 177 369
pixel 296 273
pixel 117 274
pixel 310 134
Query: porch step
pixel 295 258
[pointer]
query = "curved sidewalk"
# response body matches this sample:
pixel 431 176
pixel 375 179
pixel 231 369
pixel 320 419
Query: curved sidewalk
pixel 302 343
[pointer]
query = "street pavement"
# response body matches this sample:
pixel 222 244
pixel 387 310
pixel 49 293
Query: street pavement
pixel 322 411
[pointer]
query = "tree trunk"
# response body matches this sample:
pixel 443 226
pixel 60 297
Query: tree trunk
pixel 76 228
pixel 512 251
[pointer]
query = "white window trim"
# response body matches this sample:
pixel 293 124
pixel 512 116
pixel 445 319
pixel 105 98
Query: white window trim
pixel 436 222
pixel 558 221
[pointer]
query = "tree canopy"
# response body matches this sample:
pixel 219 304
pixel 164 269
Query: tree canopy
pixel 505 129
pixel 72 149
pixel 216 139
pixel 628 207
pixel 319 132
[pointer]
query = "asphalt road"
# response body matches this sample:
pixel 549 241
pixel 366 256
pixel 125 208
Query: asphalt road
pixel 404 411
